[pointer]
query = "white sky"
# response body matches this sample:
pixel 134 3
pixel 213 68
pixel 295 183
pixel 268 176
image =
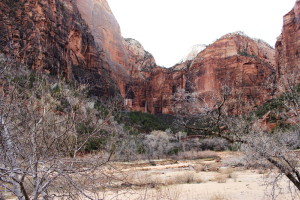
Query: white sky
pixel 168 28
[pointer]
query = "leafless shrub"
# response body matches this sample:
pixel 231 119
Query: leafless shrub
pixel 158 144
pixel 214 144
pixel 45 129
pixel 239 161
pixel 248 162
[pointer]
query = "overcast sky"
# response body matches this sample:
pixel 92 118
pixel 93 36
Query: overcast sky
pixel 168 28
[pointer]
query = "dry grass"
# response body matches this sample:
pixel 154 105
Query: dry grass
pixel 221 178
pixel 147 180
pixel 142 180
pixel 166 193
pixel 230 172
pixel 206 166
pixel 5 194
pixel 218 196
pixel 193 155
pixel 224 174
pixel 234 176
pixel 262 171
pixel 199 168
pixel 185 178
pixel 226 170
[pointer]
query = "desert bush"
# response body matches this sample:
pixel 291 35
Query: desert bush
pixel 230 172
pixel 221 178
pixel 291 139
pixel 248 162
pixel 270 105
pixel 94 144
pixel 157 144
pixel 239 161
pixel 199 168
pixel 214 144
pixel 184 178
pixel 226 170
pixel 129 148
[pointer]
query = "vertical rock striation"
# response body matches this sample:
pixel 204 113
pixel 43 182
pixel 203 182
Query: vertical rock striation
pixel 50 36
pixel 81 40
pixel 242 66
pixel 288 44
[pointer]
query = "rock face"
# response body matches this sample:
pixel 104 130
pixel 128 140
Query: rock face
pixel 193 52
pixel 235 64
pixel 50 35
pixel 126 57
pixel 154 94
pixel 288 43
pixel 82 40
pixel 139 59
pixel 104 27
pixel 76 39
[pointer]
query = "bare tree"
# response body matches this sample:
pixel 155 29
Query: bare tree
pixel 277 148
pixel 43 132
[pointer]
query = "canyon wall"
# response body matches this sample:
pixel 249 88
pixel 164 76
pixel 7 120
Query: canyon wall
pixel 81 40
pixel 51 36
pixel 126 57
pixel 288 44
pixel 237 66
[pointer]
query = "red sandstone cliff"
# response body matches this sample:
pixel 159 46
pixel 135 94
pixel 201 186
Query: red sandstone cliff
pixel 51 36
pixel 126 57
pixel 235 62
pixel 139 59
pixel 288 44
pixel 242 66
pixel 82 40
pixel 106 31
pixel 77 39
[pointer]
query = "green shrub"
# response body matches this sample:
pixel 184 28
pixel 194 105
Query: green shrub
pixel 56 91
pixel 104 111
pixel 140 122
pixel 84 128
pixel 244 52
pixel 174 151
pixel 271 105
pixel 94 144
pixel 141 149
pixel 146 122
